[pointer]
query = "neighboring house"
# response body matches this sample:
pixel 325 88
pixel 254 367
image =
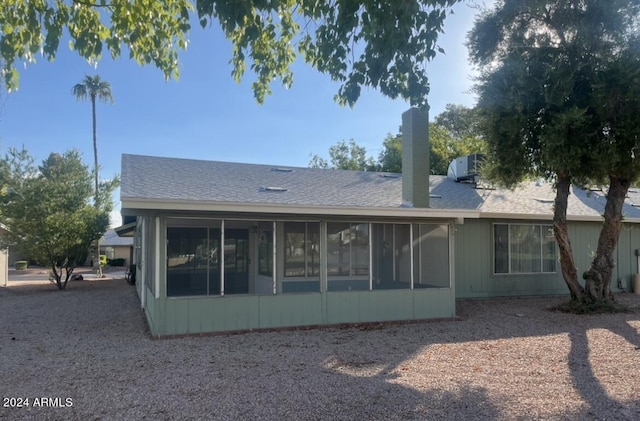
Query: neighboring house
pixel 116 247
pixel 225 246
pixel 4 259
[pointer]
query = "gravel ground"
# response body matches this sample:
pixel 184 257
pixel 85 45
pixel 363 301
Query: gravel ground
pixel 85 353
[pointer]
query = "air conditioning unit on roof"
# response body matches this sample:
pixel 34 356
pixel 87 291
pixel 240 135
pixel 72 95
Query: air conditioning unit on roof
pixel 465 168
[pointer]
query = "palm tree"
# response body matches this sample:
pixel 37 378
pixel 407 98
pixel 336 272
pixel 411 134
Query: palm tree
pixel 93 87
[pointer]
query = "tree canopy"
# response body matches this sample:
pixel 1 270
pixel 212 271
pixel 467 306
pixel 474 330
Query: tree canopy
pixel 345 156
pixel 48 209
pixel 457 135
pixel 384 44
pixel 559 98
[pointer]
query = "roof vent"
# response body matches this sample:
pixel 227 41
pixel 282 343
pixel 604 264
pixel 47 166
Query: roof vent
pixel 274 189
pixel 389 175
pixel 281 169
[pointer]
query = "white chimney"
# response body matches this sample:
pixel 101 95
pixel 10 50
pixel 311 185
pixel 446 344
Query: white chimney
pixel 415 158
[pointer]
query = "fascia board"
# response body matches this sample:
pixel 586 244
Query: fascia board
pixel 549 217
pixel 266 208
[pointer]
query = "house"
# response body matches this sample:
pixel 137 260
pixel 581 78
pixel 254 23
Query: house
pixel 226 246
pixel 4 258
pixel 117 249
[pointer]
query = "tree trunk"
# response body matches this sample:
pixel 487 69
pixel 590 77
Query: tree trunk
pixel 95 148
pixel 598 277
pixel 560 229
pixel 95 166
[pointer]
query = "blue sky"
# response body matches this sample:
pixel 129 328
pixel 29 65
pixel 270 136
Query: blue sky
pixel 206 114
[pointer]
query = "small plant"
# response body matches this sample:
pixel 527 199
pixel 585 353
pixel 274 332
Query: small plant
pixel 21 265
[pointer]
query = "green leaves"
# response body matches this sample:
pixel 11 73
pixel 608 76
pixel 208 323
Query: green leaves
pixel 453 134
pixel 152 31
pixel 48 209
pixel 345 156
pixel 548 86
pixel 384 44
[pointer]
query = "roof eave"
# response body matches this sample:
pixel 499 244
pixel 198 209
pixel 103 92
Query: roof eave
pixel 549 217
pixel 128 205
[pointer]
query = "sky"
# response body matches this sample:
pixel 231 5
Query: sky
pixel 206 114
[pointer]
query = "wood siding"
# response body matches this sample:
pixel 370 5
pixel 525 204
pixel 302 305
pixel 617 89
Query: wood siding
pixel 474 261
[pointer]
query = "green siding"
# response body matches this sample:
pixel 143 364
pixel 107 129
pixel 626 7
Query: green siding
pixel 472 273
pixel 474 261
pixel 218 314
pixel 151 308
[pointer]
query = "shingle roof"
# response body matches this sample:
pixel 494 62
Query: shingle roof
pixel 175 179
pixel 145 177
pixel 111 239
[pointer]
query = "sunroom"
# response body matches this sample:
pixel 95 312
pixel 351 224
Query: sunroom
pixel 204 274
pixel 224 246
pixel 212 257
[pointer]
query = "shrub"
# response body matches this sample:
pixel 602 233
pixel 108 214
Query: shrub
pixel 21 265
pixel 117 262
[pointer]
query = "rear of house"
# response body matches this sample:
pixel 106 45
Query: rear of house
pixel 227 247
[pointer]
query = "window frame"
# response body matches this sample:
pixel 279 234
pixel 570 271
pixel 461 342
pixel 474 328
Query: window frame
pixel 307 241
pixel 510 272
pixel 352 228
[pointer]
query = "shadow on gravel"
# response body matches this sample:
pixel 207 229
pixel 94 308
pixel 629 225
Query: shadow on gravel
pixel 585 380
pixel 89 343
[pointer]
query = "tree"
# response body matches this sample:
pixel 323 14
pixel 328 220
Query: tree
pixel 382 43
pixel 444 148
pixel 553 104
pixel 48 210
pixel 343 156
pixel 460 121
pixel 390 158
pixel 94 88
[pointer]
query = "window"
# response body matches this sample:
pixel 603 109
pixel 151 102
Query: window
pixel 391 245
pixel 301 257
pixel 265 253
pixel 347 256
pixel 302 249
pixel 524 248
pixel 431 256
pixel 192 261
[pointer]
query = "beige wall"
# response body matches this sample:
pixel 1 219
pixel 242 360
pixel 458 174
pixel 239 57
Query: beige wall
pixel 119 252
pixel 4 266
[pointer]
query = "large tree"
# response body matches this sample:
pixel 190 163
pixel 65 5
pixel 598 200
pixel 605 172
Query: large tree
pixel 443 148
pixel 49 212
pixel 345 156
pixel 454 133
pixel 381 43
pixel 559 97
pixel 94 88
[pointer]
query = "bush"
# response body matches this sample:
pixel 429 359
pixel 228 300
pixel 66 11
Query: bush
pixel 598 307
pixel 117 262
pixel 21 265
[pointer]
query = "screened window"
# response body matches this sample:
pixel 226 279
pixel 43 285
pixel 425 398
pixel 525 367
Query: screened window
pixel 347 249
pixel 347 256
pixel 265 253
pixel 391 256
pixel 302 249
pixel 524 248
pixel 193 261
pixel 431 256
